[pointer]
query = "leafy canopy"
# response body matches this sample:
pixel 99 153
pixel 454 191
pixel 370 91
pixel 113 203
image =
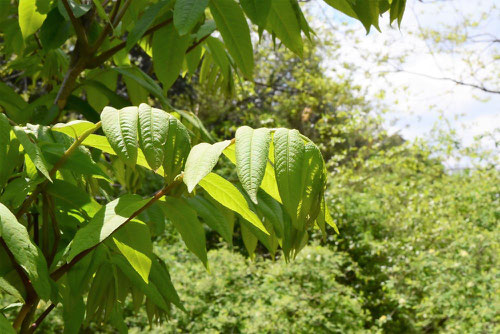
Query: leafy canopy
pixel 80 136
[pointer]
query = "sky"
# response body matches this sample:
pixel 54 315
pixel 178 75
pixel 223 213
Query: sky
pixel 470 111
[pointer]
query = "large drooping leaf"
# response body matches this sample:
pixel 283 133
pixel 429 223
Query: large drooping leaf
pixel 26 254
pixel 107 220
pixel 201 160
pixel 68 196
pixel 33 151
pixel 153 131
pixel 144 23
pixel 169 50
pixel 252 148
pixel 249 240
pixel 178 144
pixel 187 13
pixel 185 220
pixel 289 157
pixel 283 22
pixel 120 127
pixel 228 195
pixel 233 27
pixel 134 242
pixel 257 10
pixel 31 15
pixel 212 217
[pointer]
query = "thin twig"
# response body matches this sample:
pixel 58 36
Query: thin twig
pixel 42 316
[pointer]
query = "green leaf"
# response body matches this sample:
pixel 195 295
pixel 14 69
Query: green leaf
pixel 31 14
pixel 249 240
pixel 106 221
pixel 257 10
pixel 233 27
pixel 252 148
pixel 5 326
pixel 82 107
pixel 314 182
pixel 4 137
pixel 168 54
pixel 153 133
pixel 54 31
pixel 136 92
pixel 144 23
pixel 289 157
pixel 149 289
pixel 201 160
pixel 212 217
pixel 229 196
pixel 26 254
pixel 73 129
pixel 102 143
pixel 13 104
pixel 268 182
pixel 283 22
pixel 69 196
pixel 134 242
pixel 33 151
pixel 161 278
pixel 120 127
pixel 187 13
pixel 177 147
pixel 185 220
pixel 329 220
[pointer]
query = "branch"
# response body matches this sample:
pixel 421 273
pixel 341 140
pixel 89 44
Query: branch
pixel 98 60
pixel 458 82
pixel 79 29
pixel 62 160
pixel 59 272
pixel 42 316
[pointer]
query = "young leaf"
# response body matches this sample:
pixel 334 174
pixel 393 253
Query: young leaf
pixel 233 27
pixel 185 220
pixel 201 160
pixel 289 156
pixel 168 54
pixel 33 151
pixel 153 131
pixel 26 254
pixel 228 195
pixel 105 222
pixel 134 242
pixel 187 13
pixel 252 148
pixel 31 14
pixel 178 144
pixel 120 127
